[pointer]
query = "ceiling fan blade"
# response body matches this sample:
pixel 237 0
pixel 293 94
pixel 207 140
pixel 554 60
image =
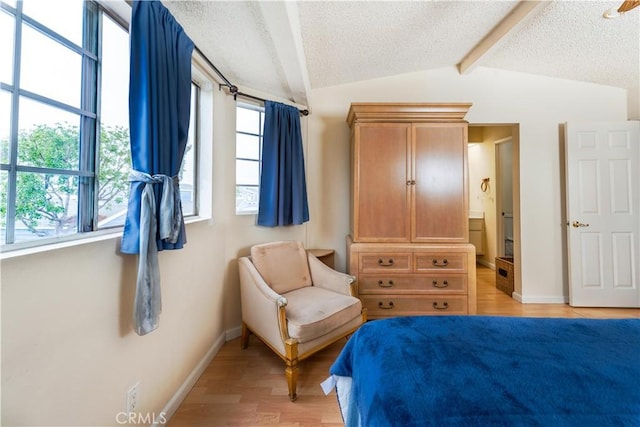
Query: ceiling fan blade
pixel 628 5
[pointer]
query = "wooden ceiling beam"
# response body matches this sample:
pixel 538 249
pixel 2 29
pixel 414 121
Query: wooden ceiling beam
pixel 520 13
pixel 281 20
pixel 628 5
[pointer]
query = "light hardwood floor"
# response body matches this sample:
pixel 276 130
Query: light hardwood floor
pixel 248 387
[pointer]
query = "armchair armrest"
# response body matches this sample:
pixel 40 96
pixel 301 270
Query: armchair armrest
pixel 263 309
pixel 328 278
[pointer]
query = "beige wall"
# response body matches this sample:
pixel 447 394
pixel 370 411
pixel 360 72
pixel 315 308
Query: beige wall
pixel 68 351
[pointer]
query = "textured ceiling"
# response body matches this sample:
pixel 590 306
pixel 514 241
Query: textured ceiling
pixel 351 41
pixel 234 36
pixel 571 40
pixel 288 48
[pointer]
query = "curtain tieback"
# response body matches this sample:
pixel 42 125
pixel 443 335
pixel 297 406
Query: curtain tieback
pixel 170 211
pixel 148 302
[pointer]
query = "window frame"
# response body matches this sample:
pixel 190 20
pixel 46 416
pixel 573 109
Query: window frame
pixel 87 224
pixel 194 129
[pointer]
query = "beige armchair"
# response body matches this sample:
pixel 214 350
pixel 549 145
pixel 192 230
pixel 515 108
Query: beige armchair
pixel 295 304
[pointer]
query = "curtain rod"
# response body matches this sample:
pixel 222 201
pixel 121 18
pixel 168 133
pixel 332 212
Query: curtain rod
pixel 233 89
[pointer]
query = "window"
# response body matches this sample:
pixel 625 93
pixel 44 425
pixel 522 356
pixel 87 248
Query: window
pixel 64 121
pixel 249 128
pixel 188 170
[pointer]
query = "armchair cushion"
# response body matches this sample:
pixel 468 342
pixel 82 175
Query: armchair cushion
pixel 313 312
pixel 282 265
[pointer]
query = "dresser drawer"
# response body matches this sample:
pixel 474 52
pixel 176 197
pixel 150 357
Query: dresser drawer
pixel 412 284
pixel 385 262
pixel 413 305
pixel 449 262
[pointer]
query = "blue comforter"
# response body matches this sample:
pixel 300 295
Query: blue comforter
pixel 493 371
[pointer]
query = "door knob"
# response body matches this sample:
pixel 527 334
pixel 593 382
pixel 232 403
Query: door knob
pixel 577 224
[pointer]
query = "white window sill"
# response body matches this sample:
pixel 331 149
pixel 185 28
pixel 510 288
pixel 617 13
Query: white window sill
pixel 39 246
pixel 245 213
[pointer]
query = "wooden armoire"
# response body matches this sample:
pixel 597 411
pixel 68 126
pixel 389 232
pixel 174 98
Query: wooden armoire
pixel 409 243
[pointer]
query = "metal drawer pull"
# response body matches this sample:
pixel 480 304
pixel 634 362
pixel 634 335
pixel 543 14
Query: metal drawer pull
pixel 444 263
pixel 381 262
pixel 444 306
pixel 387 285
pixel 444 284
pixel 383 307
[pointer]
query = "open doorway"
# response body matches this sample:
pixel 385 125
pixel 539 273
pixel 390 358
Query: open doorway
pixel 494 194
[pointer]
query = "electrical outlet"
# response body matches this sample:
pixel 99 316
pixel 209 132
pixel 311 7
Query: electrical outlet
pixel 132 398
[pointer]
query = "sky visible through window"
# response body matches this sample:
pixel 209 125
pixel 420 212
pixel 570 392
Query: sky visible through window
pixel 50 69
pixel 249 128
pixel 115 75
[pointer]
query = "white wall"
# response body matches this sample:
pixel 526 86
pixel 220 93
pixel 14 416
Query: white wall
pixel 69 353
pixel 633 104
pixel 539 104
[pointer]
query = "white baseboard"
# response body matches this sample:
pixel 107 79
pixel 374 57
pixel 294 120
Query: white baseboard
pixel 233 333
pixel 172 406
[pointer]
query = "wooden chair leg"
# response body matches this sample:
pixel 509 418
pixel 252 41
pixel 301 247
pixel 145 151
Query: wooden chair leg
pixel 292 378
pixel 244 340
pixel 291 371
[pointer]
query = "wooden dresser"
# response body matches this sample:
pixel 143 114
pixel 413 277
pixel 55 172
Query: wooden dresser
pixel 409 243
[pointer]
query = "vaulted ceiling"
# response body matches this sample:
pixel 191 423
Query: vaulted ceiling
pixel 289 48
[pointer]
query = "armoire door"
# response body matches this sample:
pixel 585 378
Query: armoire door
pixel 440 191
pixel 381 182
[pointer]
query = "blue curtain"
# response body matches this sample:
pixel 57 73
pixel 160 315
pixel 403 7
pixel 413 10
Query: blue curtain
pixel 283 188
pixel 159 109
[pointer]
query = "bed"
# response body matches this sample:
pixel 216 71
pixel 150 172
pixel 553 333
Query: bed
pixel 490 371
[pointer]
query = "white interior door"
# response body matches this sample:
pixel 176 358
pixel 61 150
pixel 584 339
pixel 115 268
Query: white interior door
pixel 603 206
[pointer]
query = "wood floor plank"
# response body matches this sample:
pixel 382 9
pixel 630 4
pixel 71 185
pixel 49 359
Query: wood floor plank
pixel 248 388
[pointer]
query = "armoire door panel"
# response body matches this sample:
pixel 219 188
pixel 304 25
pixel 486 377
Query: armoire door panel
pixel 440 191
pixel 382 192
